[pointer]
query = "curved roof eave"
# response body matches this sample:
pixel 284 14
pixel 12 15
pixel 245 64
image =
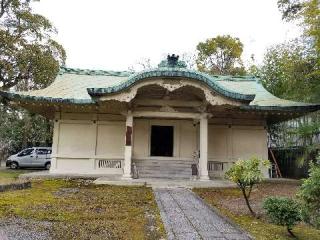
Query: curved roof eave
pixel 172 72
pixel 17 97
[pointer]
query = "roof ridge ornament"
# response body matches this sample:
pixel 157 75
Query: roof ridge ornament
pixel 172 61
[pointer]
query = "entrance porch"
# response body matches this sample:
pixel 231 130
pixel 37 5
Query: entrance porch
pixel 166 145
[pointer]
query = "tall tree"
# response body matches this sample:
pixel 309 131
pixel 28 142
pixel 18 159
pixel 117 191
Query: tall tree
pixel 28 53
pixel 220 55
pixel 288 72
pixel 307 13
pixel 292 70
pixel 20 129
pixel 296 65
pixel 29 59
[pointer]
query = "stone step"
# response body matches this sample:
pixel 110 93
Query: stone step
pixel 154 169
pixel 162 163
pixel 164 166
pixel 162 160
pixel 168 170
pixel 168 176
pixel 172 169
pixel 175 171
pixel 158 169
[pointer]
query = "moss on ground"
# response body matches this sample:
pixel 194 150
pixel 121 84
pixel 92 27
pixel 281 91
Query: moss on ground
pixel 81 210
pixel 260 228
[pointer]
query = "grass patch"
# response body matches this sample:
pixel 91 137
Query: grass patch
pixel 229 201
pixel 9 175
pixel 80 210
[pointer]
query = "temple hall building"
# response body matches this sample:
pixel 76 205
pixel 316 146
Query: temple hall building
pixel 160 122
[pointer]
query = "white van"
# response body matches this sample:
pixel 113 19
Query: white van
pixel 31 157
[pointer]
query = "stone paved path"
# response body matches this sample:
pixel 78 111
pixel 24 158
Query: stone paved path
pixel 187 217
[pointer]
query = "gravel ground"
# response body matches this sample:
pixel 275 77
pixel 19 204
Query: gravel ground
pixel 24 229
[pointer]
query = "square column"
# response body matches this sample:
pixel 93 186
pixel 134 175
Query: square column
pixel 203 161
pixel 55 141
pixel 127 170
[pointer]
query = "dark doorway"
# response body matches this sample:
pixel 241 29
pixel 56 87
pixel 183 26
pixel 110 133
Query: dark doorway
pixel 162 141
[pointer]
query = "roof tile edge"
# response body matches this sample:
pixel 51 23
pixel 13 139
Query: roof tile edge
pixel 89 72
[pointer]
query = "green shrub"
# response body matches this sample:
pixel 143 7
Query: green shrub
pixel 282 211
pixel 309 196
pixel 247 173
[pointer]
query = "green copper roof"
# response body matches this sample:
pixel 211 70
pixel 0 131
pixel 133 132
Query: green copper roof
pixel 70 86
pixel 173 72
pixel 77 86
pixel 173 68
pixel 25 97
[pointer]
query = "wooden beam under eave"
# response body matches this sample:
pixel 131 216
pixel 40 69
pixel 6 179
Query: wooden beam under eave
pixel 171 103
pixel 152 114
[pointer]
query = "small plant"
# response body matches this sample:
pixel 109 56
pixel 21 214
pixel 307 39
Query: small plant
pixel 309 196
pixel 283 211
pixel 247 173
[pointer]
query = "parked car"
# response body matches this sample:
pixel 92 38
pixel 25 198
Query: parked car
pixel 35 157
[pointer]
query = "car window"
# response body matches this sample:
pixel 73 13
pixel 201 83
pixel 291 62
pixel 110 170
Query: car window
pixel 25 152
pixel 43 151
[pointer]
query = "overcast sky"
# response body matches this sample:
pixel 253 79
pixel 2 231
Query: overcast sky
pixel 116 34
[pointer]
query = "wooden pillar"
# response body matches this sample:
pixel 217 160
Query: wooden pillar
pixel 203 161
pixel 127 172
pixel 55 143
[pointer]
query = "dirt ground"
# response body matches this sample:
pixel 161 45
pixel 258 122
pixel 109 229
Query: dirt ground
pixel 230 202
pixel 233 200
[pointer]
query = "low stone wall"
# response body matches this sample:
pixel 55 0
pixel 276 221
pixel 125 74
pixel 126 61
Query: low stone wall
pixel 15 186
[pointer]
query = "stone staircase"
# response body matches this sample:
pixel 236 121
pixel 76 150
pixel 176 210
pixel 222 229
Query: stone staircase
pixel 171 169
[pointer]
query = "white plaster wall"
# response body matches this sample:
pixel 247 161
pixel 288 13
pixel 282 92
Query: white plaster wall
pixel 79 143
pixel 249 141
pixel 230 143
pixel 245 142
pixel 77 139
pixel 218 143
pixel 141 138
pixel 188 139
pixel 74 165
pixel 110 139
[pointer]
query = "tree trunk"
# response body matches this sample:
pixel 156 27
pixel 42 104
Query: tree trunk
pixel 290 232
pixel 247 202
